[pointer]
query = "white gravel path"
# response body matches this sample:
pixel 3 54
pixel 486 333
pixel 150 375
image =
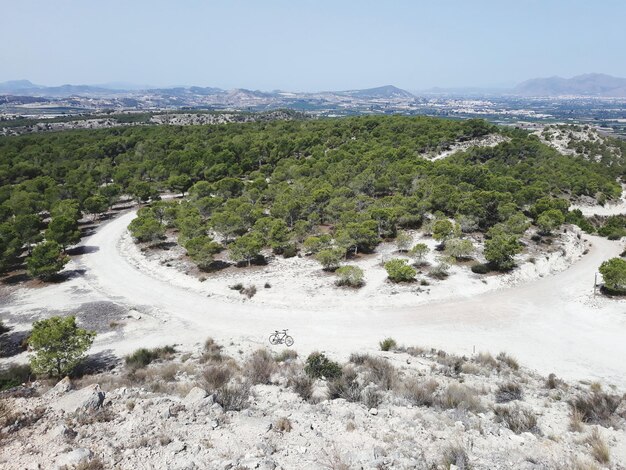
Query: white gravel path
pixel 552 324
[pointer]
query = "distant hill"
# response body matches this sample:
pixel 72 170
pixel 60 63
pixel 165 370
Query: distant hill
pixel 591 84
pixel 381 92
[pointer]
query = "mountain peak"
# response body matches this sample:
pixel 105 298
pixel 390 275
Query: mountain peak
pixel 589 84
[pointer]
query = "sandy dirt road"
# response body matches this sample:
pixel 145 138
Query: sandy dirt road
pixel 554 324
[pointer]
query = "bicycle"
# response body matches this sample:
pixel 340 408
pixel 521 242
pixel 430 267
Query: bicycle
pixel 279 337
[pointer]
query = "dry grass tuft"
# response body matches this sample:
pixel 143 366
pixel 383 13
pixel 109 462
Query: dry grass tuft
pixel 486 359
pixel 287 355
pixel 282 425
pixel 516 418
pixel 599 448
pixel 420 393
pixel 596 408
pixel 508 392
pixel 576 421
pixel 461 397
pixel 508 360
pixel 456 455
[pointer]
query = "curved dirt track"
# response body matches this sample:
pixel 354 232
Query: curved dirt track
pixel 554 324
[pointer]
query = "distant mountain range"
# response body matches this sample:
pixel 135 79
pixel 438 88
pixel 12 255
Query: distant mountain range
pixel 27 88
pixel 135 96
pixel 591 84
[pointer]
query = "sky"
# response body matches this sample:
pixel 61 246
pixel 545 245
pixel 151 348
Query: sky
pixel 301 45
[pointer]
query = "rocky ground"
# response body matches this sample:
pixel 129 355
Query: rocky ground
pixel 234 407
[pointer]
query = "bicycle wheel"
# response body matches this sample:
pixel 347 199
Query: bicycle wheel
pixel 274 339
pixel 288 341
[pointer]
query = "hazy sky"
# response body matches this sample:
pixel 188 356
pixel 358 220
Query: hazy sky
pixel 309 45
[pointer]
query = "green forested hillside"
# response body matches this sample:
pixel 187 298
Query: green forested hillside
pixel 274 183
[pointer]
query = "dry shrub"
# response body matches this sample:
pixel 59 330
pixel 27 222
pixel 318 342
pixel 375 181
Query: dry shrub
pixel 420 393
pixel 212 351
pixel 345 386
pixel 333 460
pixel 469 368
pixel 282 425
pixel 455 454
pixel 516 418
pixel 381 372
pixel 249 291
pixel 92 464
pixel 599 448
pixel 358 358
pixel 167 372
pixel 259 367
pixel 553 382
pixel 414 351
pixel 12 419
pixel 101 415
pixel 215 376
pixel 487 360
pixel 508 360
pixel 234 396
pixel 596 408
pixel 461 397
pixel 302 384
pixel 508 392
pixel 371 397
pixel 287 355
pixel 595 387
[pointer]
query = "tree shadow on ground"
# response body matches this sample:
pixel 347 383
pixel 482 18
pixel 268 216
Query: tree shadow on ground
pixel 13 343
pixel 82 250
pixel 66 276
pixel 102 361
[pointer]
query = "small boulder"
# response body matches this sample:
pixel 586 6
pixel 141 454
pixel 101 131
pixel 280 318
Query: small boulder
pixel 89 398
pixel 63 386
pixel 374 411
pixel 73 458
pixel 196 395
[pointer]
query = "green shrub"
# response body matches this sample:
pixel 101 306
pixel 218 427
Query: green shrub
pixel 614 274
pixel 142 357
pixel 14 375
pixel 351 276
pixel 388 344
pixel 480 268
pixel 318 365
pixel 398 270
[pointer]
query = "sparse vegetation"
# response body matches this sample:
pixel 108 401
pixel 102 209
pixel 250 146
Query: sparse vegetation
pixel 599 448
pixel 508 391
pixel 596 407
pixel 388 344
pixel 516 418
pixel 318 366
pixel 350 276
pixel 142 357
